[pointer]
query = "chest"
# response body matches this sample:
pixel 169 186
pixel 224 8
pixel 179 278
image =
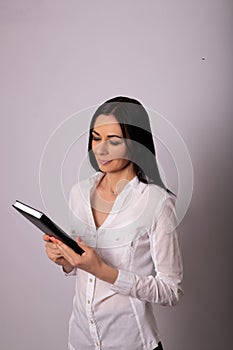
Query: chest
pixel 101 207
pixel 99 216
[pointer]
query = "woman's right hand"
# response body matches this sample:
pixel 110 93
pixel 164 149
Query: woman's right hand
pixel 54 253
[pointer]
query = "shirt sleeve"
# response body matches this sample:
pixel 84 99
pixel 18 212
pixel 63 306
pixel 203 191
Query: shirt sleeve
pixel 165 287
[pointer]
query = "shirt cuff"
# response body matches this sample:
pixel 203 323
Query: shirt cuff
pixel 123 283
pixel 71 273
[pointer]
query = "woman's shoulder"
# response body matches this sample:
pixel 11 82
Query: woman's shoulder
pixel 156 196
pixel 155 190
pixel 83 186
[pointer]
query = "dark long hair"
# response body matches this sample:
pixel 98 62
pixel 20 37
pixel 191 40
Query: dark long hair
pixel 135 125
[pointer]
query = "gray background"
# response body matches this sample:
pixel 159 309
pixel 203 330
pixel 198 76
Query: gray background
pixel 58 57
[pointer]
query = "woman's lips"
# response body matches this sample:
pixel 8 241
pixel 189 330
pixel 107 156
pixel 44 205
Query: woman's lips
pixel 103 162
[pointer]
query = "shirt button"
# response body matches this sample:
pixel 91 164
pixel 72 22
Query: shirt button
pixel 90 280
pixel 88 301
pixel 97 343
pixel 94 236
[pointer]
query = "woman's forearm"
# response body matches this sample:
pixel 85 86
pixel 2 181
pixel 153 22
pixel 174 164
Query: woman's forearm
pixel 107 273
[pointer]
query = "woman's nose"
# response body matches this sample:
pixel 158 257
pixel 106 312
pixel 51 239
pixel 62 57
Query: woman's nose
pixel 102 148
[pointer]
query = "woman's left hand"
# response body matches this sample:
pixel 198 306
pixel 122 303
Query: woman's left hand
pixel 89 261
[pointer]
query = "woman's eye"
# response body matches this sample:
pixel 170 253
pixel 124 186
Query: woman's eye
pixel 96 139
pixel 111 142
pixel 114 143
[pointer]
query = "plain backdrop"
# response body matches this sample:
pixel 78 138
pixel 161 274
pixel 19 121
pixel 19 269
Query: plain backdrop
pixel 58 57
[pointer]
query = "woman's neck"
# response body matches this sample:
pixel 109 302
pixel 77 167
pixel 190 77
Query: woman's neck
pixel 114 182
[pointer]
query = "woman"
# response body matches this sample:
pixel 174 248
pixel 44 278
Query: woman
pixel 125 217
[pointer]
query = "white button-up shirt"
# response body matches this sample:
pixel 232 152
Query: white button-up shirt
pixel 138 238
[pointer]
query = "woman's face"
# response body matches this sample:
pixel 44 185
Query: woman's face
pixel 108 144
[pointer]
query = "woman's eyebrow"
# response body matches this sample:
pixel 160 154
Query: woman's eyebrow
pixel 109 136
pixel 119 137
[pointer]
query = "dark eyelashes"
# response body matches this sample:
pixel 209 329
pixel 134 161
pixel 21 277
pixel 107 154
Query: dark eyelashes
pixel 114 143
pixel 95 138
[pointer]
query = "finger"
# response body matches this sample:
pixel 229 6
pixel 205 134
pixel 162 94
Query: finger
pixel 52 248
pixel 53 239
pixel 54 256
pixel 68 253
pixel 54 253
pixel 51 244
pixel 81 243
pixel 84 246
pixel 46 237
pixel 56 259
pixel 64 248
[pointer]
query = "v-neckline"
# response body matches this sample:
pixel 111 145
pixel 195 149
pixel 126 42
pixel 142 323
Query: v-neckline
pixel 109 215
pixel 116 205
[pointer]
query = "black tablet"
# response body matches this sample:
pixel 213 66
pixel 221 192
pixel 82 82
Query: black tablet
pixel 46 225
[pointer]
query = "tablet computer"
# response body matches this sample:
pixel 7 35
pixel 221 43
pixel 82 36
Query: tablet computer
pixel 46 225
